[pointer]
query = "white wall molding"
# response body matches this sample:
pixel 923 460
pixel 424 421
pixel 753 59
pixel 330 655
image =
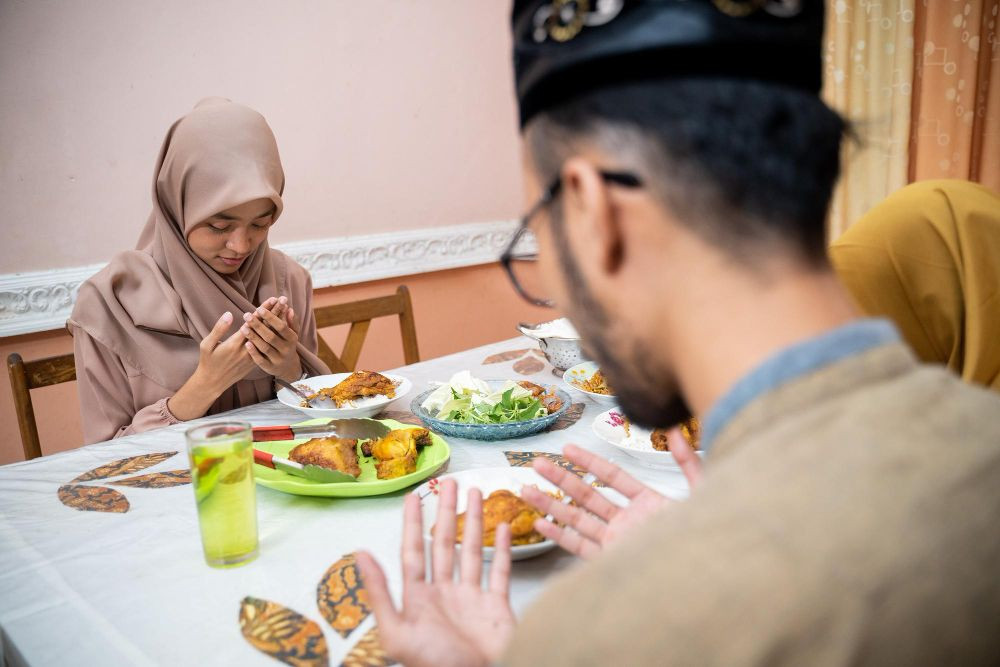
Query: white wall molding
pixel 42 300
pixel 39 300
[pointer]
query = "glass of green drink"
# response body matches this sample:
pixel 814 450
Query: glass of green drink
pixel 221 456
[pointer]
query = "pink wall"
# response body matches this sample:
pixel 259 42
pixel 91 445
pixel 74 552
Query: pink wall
pixel 389 114
pixel 487 310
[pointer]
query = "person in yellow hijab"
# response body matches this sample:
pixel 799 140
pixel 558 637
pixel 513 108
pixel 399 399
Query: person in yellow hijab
pixel 928 258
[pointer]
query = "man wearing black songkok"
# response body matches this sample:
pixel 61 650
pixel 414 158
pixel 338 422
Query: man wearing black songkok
pixel 680 164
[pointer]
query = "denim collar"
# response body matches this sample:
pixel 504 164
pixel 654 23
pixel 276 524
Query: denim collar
pixel 793 362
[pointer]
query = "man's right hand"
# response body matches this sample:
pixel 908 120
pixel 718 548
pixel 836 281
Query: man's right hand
pixel 595 522
pixel 445 619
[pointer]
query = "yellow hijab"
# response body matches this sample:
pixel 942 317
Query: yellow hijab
pixel 928 257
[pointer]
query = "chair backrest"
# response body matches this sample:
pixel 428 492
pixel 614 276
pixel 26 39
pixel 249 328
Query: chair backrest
pixel 28 375
pixel 359 314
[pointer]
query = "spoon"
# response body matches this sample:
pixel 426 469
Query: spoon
pixel 529 330
pixel 311 402
pixel 564 332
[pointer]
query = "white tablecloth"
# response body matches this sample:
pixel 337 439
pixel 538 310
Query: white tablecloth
pixel 89 588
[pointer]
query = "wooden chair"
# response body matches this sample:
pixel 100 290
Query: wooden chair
pixel 25 376
pixel 359 314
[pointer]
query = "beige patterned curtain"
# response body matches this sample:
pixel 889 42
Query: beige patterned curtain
pixel 868 77
pixel 956 102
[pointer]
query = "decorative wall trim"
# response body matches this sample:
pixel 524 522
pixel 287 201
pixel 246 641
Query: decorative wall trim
pixel 42 300
pixel 355 259
pixel 39 300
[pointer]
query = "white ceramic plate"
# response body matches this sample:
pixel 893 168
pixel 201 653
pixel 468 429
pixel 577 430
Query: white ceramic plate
pixel 486 480
pixel 610 427
pixel 362 407
pixel 581 373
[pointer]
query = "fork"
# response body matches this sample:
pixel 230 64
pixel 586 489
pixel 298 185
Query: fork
pixel 303 395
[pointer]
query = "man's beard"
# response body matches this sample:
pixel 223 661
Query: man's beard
pixel 647 394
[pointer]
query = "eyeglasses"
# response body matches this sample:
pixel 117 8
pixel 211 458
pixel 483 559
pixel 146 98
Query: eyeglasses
pixel 522 267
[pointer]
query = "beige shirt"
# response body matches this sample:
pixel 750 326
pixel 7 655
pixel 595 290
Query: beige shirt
pixel 850 516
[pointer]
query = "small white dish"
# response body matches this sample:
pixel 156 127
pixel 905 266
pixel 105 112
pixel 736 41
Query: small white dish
pixel 610 427
pixel 357 409
pixel 486 480
pixel 581 373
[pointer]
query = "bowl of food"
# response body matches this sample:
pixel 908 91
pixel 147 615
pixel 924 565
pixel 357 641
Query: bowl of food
pixel 558 341
pixel 588 379
pixel 649 447
pixel 347 395
pixel 467 407
pixel 502 503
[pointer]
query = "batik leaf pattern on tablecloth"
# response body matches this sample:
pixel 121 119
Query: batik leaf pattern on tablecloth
pixel 368 652
pixel 500 357
pixel 529 366
pixel 342 598
pixel 524 459
pixel 282 633
pixel 93 498
pixel 568 418
pixel 157 480
pixel 124 466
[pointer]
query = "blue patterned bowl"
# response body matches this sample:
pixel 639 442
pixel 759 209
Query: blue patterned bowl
pixel 488 431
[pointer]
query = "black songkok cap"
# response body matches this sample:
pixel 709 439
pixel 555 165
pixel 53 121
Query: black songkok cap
pixel 563 48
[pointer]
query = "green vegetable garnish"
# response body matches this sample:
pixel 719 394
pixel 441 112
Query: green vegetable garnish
pixel 511 404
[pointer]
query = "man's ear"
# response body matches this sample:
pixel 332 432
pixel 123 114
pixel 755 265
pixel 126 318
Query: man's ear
pixel 591 222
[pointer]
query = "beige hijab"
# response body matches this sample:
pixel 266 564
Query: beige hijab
pixel 153 305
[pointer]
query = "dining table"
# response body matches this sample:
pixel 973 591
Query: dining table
pixel 101 560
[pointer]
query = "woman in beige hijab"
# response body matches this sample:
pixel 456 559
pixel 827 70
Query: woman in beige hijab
pixel 928 258
pixel 201 316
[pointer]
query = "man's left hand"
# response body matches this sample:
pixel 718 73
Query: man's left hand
pixel 595 522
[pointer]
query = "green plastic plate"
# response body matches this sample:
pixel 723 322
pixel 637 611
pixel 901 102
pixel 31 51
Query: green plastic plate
pixel 430 459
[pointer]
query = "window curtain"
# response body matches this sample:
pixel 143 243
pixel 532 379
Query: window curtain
pixel 919 80
pixel 868 61
pixel 956 98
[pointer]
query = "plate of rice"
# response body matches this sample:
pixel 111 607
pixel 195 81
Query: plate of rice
pixel 649 447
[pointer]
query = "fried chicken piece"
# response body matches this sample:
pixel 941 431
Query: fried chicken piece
pixel 548 397
pixel 333 453
pixel 535 389
pixel 503 506
pixel 689 429
pixel 396 467
pixel 659 439
pixel 359 384
pixel 396 453
pixel 552 403
pixel 419 437
pixel 394 446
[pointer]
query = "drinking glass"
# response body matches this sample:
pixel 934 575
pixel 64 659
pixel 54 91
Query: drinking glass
pixel 221 456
